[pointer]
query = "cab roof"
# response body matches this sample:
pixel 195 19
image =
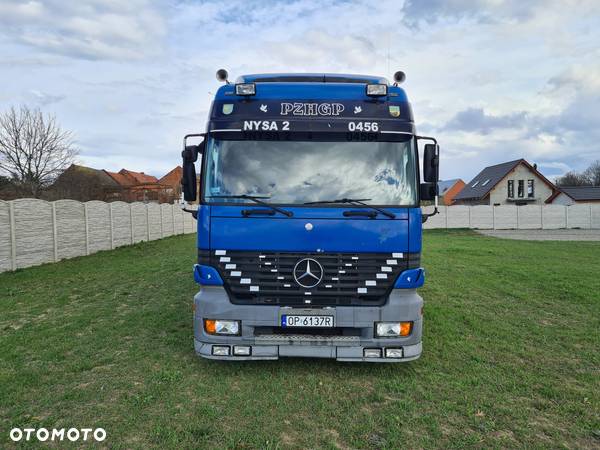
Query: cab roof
pixel 311 78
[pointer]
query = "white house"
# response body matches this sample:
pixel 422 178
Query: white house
pixel 510 183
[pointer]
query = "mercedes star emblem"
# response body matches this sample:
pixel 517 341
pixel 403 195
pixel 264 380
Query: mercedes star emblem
pixel 308 272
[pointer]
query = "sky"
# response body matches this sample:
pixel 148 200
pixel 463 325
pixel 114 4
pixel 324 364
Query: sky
pixel 492 80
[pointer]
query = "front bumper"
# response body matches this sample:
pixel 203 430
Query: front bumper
pixel 212 302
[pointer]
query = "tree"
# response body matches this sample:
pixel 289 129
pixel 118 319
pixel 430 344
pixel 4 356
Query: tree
pixel 589 177
pixel 34 149
pixel 572 179
pixel 592 173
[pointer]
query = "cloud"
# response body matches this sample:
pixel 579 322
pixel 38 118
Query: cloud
pixel 44 98
pixel 478 121
pixel 480 10
pixel 492 80
pixel 87 29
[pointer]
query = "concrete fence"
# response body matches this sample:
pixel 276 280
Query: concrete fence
pixel 533 217
pixel 34 231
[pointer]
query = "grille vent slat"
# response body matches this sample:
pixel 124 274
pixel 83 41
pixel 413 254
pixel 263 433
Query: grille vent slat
pixel 344 281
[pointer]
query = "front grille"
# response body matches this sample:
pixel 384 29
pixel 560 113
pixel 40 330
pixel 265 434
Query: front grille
pixel 254 277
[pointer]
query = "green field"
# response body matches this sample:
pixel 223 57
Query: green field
pixel 511 357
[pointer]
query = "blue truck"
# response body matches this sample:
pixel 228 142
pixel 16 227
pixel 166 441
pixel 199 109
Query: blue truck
pixel 309 219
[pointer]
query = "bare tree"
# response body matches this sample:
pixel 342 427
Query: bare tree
pixel 572 179
pixel 34 150
pixel 592 173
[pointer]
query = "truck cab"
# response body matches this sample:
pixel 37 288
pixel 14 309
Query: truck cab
pixel 309 219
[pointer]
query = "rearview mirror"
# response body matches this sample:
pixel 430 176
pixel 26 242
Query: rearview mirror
pixel 428 191
pixel 190 155
pixel 431 163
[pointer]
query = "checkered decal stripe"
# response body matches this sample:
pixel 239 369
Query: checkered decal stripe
pixel 252 277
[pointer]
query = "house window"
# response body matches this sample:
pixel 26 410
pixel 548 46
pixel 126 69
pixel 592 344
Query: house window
pixel 521 189
pixel 530 189
pixel 475 184
pixel 511 188
pixel 485 182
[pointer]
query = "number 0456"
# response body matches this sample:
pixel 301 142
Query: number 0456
pixel 367 127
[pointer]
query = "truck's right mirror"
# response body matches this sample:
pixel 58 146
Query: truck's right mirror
pixel 188 180
pixel 431 163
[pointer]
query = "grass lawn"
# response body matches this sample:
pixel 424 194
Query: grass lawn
pixel 511 357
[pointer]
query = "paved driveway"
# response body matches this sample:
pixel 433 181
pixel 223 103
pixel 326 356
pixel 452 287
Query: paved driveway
pixel 545 235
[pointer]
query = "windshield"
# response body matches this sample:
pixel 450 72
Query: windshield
pixel 296 172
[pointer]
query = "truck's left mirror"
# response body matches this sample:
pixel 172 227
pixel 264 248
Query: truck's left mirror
pixel 431 161
pixel 188 181
pixel 428 191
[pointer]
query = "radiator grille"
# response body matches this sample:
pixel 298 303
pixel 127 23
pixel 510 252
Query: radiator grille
pixel 253 277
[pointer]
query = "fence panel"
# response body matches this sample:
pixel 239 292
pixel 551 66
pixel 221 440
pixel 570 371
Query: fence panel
pixel 437 221
pixel 554 217
pixel 529 217
pixel 98 225
pixel 596 216
pixel 121 224
pixel 482 217
pixel 140 222
pixel 166 211
pixel 34 232
pixel 505 217
pixel 458 217
pixel 70 228
pixel 177 219
pixel 189 224
pixel 154 221
pixel 5 237
pixel 579 216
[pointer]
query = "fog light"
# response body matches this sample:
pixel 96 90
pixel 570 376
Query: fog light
pixel 376 90
pixel 220 350
pixel 372 353
pixel 393 329
pixel 245 89
pixel 226 327
pixel 393 353
pixel 241 350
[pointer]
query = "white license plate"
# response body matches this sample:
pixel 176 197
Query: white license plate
pixel 307 321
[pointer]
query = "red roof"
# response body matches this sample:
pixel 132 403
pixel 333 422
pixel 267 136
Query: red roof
pixel 173 178
pixel 139 177
pixel 121 179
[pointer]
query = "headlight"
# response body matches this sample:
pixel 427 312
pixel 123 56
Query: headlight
pixel 393 353
pixel 220 350
pixel 393 329
pixel 245 89
pixel 226 327
pixel 376 90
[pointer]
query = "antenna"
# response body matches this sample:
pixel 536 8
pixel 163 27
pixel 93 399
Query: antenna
pixel 388 53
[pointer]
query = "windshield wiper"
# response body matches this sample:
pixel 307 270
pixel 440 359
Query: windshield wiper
pixel 356 201
pixel 256 199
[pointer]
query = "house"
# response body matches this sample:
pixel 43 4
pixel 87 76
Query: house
pixel 138 187
pixel 85 183
pixel 448 189
pixel 511 183
pixel 81 183
pixel 172 182
pixel 139 177
pixel 570 195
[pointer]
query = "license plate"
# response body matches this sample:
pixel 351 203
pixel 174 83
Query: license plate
pixel 306 321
